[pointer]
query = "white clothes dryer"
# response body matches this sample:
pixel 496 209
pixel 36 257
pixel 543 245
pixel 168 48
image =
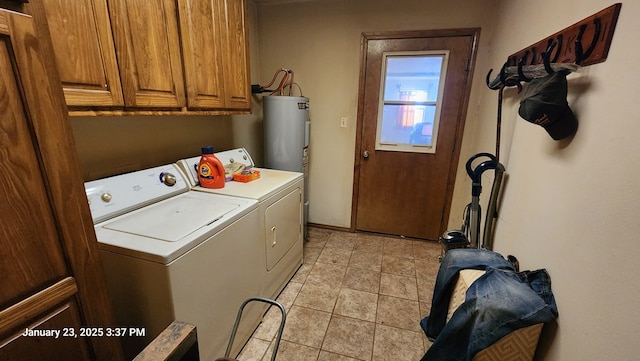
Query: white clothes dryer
pixel 171 254
pixel 280 207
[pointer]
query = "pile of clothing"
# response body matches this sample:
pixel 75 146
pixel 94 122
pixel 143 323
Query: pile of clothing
pixel 499 302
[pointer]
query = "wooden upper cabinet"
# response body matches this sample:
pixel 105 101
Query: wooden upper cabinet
pixel 202 52
pixel 148 47
pixel 236 64
pixel 84 52
pixel 216 62
pixel 124 54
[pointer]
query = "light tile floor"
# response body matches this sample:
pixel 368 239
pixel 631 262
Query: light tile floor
pixel 357 296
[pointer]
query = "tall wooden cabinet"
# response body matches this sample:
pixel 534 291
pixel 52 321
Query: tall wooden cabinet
pixel 50 272
pixel 188 55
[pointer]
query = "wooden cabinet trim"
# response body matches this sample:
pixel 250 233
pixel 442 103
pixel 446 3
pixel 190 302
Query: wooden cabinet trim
pixel 4 26
pixel 37 304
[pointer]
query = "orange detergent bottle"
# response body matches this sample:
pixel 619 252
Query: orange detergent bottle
pixel 210 169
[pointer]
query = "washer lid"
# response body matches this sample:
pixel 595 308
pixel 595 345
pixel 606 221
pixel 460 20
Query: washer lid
pixel 173 219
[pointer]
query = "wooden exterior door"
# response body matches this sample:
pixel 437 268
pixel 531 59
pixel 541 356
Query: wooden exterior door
pixel 50 272
pixel 409 192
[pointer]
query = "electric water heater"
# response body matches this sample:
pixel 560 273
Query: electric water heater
pixel 286 138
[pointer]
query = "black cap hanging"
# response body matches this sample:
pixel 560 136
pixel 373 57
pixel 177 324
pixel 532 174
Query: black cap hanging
pixel 544 103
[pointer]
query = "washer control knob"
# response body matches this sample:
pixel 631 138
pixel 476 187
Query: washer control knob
pixel 106 197
pixel 168 179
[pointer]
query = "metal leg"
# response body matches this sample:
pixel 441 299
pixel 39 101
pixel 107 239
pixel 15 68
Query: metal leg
pixel 239 316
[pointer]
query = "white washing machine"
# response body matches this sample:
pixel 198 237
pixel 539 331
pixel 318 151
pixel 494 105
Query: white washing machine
pixel 172 254
pixel 280 202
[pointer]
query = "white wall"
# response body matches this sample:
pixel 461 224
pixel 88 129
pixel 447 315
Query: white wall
pixel 571 206
pixel 320 41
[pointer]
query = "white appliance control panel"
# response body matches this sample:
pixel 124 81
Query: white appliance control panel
pixel 238 155
pixel 113 196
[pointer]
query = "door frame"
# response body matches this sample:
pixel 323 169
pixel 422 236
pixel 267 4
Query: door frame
pixel 474 33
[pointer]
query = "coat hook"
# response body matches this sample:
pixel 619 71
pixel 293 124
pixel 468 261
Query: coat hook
pixel 502 76
pixel 551 44
pixel 503 72
pixel 521 62
pixel 533 56
pixel 488 81
pixel 580 55
pixel 504 79
pixel 546 56
pixel 555 57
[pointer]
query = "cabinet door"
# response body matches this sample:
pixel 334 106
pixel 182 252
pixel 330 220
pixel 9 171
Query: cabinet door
pixel 65 318
pixel 202 53
pixel 148 48
pixel 51 273
pixel 84 52
pixel 236 46
pixel 215 51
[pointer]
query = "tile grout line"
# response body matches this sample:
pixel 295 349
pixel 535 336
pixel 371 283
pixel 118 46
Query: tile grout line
pixel 376 325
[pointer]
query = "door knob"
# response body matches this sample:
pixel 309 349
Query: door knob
pixel 365 154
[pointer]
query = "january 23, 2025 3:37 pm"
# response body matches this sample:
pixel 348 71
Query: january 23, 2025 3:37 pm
pixel 86 332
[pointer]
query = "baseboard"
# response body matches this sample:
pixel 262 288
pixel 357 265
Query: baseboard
pixel 333 228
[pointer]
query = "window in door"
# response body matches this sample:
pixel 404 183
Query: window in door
pixel 410 100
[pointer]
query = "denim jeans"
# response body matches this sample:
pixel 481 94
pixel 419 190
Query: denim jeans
pixel 499 302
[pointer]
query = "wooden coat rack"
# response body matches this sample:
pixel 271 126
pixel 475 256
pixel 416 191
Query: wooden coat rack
pixel 584 43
